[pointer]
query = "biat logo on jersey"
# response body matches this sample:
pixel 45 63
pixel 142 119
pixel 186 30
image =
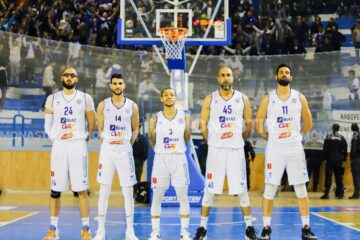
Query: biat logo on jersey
pixel 169 140
pixel 209 176
pixel 115 128
pixel 224 119
pixel 67 120
pixel 283 119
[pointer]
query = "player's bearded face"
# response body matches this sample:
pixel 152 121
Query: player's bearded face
pixel 283 81
pixel 226 86
pixel 117 91
pixel 68 84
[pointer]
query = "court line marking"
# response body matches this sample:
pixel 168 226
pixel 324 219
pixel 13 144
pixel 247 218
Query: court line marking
pixel 334 221
pixel 2 224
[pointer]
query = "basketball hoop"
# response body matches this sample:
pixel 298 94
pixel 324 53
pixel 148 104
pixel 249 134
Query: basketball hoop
pixel 173 39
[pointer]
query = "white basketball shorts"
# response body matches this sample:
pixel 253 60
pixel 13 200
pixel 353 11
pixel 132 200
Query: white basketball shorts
pixel 69 159
pixel 116 157
pixel 223 162
pixel 289 157
pixel 172 167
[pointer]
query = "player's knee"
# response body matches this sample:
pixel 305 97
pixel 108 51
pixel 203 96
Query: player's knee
pixel 270 191
pixel 207 199
pixel 183 200
pixel 244 199
pixel 158 194
pixel 55 194
pixel 300 190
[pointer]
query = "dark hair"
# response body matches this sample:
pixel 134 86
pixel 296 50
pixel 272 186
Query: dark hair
pixel 162 91
pixel 116 75
pixel 281 66
pixel 335 127
pixel 352 71
pixel 354 127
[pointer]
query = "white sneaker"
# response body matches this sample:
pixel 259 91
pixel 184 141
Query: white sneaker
pixel 155 235
pixel 185 235
pixel 130 235
pixel 100 235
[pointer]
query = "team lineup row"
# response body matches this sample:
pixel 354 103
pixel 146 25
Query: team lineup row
pixel 224 114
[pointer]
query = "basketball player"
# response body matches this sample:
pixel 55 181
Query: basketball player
pixel 169 133
pixel 278 121
pixel 221 124
pixel 118 125
pixel 66 115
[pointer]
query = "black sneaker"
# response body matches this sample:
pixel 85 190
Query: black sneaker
pixel 307 234
pixel 354 196
pixel 250 233
pixel 325 196
pixel 200 234
pixel 266 233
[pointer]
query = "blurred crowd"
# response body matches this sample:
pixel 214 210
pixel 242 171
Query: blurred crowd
pixel 277 27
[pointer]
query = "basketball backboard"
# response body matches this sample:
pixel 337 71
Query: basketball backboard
pixel 140 20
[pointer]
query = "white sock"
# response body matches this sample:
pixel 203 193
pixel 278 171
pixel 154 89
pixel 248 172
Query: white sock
pixel 305 220
pixel 85 221
pixel 185 223
pixel 248 220
pixel 203 221
pixel 129 207
pixel 104 193
pixel 54 221
pixel 155 223
pixel 101 223
pixel 266 221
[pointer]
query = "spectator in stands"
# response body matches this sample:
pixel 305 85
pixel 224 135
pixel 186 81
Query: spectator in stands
pixel 4 60
pixel 48 79
pixel 31 48
pixel 283 36
pixel 355 33
pixel 319 39
pixel 343 8
pixel 355 160
pixel 3 82
pixel 332 23
pixel 301 30
pixel 353 85
pixel 14 59
pixel 146 87
pixel 337 38
pixel 296 48
pixel 334 153
pixel 315 26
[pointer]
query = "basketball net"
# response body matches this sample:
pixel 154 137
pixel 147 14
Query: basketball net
pixel 174 39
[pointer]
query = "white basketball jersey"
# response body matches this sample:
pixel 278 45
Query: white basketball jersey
pixel 225 123
pixel 170 133
pixel 117 122
pixel 69 116
pixel 283 118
